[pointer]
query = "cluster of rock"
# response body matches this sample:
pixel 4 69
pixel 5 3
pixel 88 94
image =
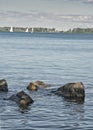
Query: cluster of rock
pixel 75 91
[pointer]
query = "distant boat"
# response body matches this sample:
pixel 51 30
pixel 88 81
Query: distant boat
pixel 11 29
pixel 32 30
pixel 27 30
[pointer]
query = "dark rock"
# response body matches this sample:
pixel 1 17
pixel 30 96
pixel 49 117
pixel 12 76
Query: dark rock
pixel 72 91
pixel 21 98
pixel 3 85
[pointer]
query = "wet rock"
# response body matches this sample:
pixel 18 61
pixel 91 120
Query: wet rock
pixel 72 91
pixel 32 87
pixel 21 98
pixel 40 83
pixel 3 85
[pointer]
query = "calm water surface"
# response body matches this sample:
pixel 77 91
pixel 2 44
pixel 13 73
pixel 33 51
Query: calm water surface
pixel 55 59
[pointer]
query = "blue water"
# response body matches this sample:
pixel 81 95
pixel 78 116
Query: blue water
pixel 55 59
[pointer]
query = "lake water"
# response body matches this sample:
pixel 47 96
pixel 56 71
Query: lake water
pixel 55 59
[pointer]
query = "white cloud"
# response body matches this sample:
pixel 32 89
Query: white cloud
pixel 39 19
pixel 89 1
pixel 82 1
pixel 75 18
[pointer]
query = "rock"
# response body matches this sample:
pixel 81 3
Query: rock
pixel 3 85
pixel 72 91
pixel 32 87
pixel 21 98
pixel 40 83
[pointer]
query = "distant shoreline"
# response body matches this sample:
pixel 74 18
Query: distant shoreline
pixel 46 30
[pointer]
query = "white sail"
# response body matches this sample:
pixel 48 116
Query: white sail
pixel 32 30
pixel 27 30
pixel 11 29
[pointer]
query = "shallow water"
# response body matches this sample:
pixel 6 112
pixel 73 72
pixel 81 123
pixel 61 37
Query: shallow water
pixel 55 59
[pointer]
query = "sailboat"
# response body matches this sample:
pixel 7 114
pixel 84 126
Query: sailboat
pixel 11 29
pixel 32 30
pixel 27 30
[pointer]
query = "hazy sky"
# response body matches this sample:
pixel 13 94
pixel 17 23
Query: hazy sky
pixel 60 14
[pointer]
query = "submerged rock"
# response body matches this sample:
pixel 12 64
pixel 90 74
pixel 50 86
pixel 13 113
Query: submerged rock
pixel 21 98
pixel 40 83
pixel 33 86
pixel 72 91
pixel 3 85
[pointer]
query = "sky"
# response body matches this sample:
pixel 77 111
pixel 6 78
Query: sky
pixel 59 14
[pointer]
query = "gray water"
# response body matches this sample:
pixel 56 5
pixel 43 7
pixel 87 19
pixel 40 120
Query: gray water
pixel 55 59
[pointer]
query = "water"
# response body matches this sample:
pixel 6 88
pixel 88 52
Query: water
pixel 55 59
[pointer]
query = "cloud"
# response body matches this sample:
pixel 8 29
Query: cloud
pixel 76 18
pixel 43 19
pixel 35 15
pixel 82 1
pixel 88 1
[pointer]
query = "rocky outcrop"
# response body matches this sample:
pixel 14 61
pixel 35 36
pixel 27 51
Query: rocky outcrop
pixel 72 91
pixel 21 98
pixel 3 85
